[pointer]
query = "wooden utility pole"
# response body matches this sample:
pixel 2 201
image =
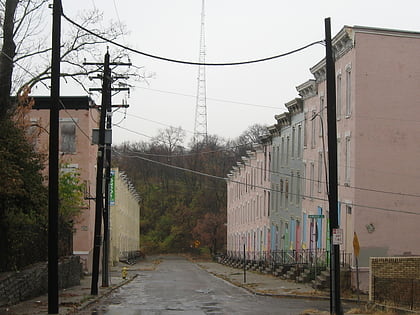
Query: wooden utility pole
pixel 106 97
pixel 332 171
pixel 53 162
pixel 104 155
pixel 106 212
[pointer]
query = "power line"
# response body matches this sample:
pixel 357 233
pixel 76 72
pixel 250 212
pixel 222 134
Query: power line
pixel 209 98
pixel 276 172
pixel 238 63
pixel 262 187
pixel 279 173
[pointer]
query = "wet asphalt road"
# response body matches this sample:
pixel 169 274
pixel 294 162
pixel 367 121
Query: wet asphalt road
pixel 178 286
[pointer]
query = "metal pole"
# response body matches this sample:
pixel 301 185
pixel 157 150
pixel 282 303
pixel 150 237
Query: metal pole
pixel 99 178
pixel 332 169
pixel 53 162
pixel 244 264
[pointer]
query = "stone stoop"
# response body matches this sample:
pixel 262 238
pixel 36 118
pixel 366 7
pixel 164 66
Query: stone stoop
pixel 322 281
pixel 304 276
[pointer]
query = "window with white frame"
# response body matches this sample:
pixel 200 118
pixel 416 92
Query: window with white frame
pixel 282 151
pixel 320 166
pixel 293 141
pixel 347 160
pixel 281 189
pixel 311 179
pixel 348 91
pixel 338 160
pixel 292 181
pixel 299 141
pixel 313 130
pixel 304 181
pixel 287 150
pixel 298 185
pixel 320 114
pixel 338 100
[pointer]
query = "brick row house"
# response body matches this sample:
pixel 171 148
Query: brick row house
pixel 378 115
pixel 248 204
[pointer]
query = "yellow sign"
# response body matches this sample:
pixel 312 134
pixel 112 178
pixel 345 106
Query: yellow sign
pixel 196 243
pixel 356 245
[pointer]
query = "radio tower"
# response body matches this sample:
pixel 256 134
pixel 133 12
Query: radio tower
pixel 200 126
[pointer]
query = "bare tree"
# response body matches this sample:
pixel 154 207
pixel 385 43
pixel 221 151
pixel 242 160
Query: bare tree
pixel 251 136
pixel 25 55
pixel 170 139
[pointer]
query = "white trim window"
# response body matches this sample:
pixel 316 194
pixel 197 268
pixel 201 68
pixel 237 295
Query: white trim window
pixel 339 97
pixel 320 166
pixel 347 160
pixel 348 91
pixel 313 130
pixel 311 180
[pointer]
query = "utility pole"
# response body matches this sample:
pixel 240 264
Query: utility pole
pixel 106 96
pixel 53 162
pixel 335 302
pixel 104 154
pixel 106 212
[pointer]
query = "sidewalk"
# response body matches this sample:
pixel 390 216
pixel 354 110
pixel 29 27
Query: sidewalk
pixel 263 284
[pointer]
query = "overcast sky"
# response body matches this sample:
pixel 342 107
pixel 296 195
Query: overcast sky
pixel 235 30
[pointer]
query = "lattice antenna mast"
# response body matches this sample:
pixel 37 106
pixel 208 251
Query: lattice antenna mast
pixel 200 127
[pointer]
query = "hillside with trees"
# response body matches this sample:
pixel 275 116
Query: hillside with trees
pixel 183 190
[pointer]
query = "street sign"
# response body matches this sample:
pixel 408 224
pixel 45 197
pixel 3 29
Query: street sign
pixel 356 245
pixel 316 216
pixel 337 236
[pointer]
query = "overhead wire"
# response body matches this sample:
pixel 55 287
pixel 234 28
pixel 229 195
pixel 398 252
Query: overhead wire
pixel 208 98
pixel 285 174
pixel 192 63
pixel 272 172
pixel 238 63
pixel 49 88
pixel 267 188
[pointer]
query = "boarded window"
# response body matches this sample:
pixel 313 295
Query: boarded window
pixel 68 138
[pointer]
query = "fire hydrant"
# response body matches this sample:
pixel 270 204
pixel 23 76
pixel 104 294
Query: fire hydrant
pixel 124 272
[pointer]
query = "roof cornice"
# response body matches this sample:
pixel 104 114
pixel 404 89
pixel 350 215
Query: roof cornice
pixel 307 89
pixel 283 119
pixel 295 106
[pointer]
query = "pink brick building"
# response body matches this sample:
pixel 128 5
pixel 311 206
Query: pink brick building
pixel 378 114
pixel 378 121
pixel 77 152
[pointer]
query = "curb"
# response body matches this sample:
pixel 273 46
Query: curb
pixel 100 296
pixel 280 295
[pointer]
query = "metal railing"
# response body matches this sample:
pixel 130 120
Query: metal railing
pixel 310 257
pixel 397 292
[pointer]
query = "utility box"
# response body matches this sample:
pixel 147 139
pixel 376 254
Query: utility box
pixel 95 136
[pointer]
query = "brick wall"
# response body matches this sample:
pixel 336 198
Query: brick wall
pixel 400 271
pixel 395 267
pixel 33 281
